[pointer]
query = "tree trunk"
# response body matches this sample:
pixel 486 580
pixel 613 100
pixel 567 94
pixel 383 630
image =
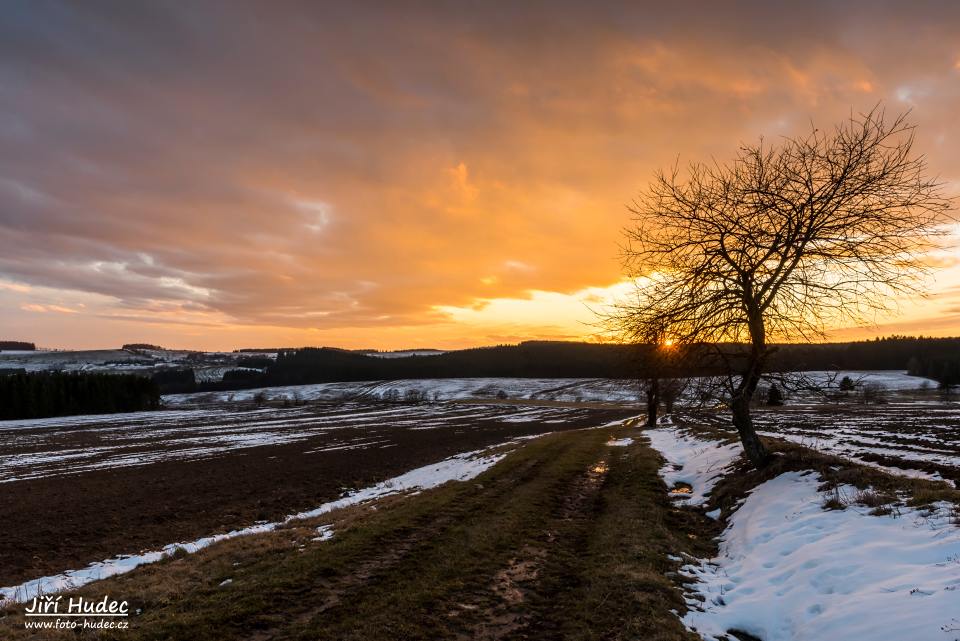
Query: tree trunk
pixel 742 420
pixel 749 379
pixel 653 400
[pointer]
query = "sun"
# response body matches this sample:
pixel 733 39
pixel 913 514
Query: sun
pixel 668 342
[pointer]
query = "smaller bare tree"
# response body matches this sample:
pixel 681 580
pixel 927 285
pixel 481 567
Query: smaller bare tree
pixel 659 362
pixel 659 374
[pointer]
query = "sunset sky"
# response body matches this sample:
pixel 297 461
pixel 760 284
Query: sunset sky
pixel 216 175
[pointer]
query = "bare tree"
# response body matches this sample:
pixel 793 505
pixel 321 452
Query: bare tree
pixel 780 244
pixel 657 361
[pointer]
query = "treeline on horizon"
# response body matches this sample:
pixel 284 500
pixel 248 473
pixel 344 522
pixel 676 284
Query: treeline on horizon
pixel 43 394
pixel 937 358
pixel 18 346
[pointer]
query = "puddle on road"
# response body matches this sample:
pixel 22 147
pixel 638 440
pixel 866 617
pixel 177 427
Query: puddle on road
pixel 681 491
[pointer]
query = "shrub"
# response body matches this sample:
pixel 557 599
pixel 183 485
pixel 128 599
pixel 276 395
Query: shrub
pixel 774 396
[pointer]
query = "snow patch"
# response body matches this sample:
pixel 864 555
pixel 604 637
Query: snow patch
pixel 692 461
pixel 324 533
pixel 788 570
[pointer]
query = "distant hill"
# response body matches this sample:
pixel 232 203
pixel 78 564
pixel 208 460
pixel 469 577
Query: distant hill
pixel 533 359
pixel 936 358
pixel 932 357
pixel 404 353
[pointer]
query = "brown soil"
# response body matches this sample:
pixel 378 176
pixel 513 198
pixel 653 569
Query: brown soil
pixel 61 522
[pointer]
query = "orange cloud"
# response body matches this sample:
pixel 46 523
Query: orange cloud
pixel 42 309
pixel 384 176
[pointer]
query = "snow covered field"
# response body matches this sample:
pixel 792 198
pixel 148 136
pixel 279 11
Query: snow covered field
pixel 208 366
pixel 440 389
pixel 81 361
pixel 788 570
pixel 447 389
pixel 38 448
pixel 919 439
pixel 887 379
